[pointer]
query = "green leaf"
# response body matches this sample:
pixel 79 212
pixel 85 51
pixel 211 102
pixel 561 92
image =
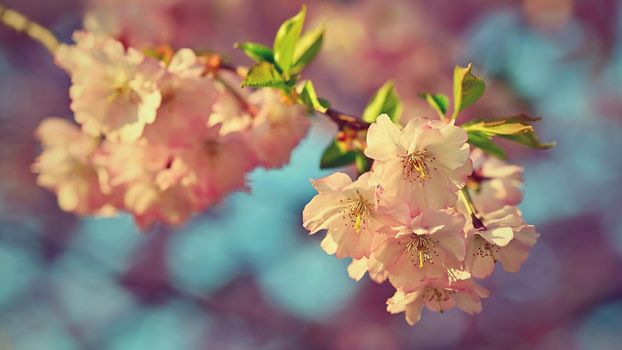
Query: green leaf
pixel 499 128
pixel 515 128
pixel 256 52
pixel 309 98
pixel 286 40
pixel 384 101
pixel 467 89
pixel 324 102
pixel 307 48
pixel 529 139
pixel 334 156
pixel 520 118
pixel 439 102
pixel 263 74
pixel 363 164
pixel 485 143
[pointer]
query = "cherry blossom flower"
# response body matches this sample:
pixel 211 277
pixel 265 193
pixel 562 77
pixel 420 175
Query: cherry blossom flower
pixel 425 163
pixel 66 168
pixel 114 90
pixel 358 268
pixel 121 164
pixel 505 238
pixel 150 203
pixel 423 247
pixel 152 183
pixel 188 98
pixel 494 183
pixel 217 165
pixel 277 128
pixel 438 295
pixel 349 212
pixel 232 109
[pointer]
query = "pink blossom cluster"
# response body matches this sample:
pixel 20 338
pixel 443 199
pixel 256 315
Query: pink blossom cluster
pixel 410 219
pixel 161 139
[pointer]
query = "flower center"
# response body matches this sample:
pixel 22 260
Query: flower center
pixel 421 250
pixel 123 91
pixel 356 211
pixel 417 166
pixel 211 147
pixel 485 249
pixel 437 295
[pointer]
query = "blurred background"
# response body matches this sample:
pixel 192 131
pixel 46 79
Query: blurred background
pixel 245 275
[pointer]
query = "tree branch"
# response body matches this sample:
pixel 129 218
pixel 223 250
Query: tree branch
pixel 21 24
pixel 342 120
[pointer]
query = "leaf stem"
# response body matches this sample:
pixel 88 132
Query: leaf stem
pixel 21 24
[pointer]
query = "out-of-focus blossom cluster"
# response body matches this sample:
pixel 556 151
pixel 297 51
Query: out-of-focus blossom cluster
pixel 173 22
pixel 159 138
pixel 386 38
pixel 410 220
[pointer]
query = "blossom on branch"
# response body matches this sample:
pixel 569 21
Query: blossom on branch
pixel 65 167
pixel 494 183
pixel 114 91
pixel 424 246
pixel 350 213
pixel 426 162
pixel 439 296
pixel 161 139
pixel 412 227
pixel 278 127
pixel 164 135
pixel 506 238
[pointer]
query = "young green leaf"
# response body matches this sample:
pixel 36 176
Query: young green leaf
pixel 485 143
pixel 384 101
pixel 515 128
pixel 363 164
pixel 438 102
pixel 324 102
pixel 256 52
pixel 263 74
pixel 307 48
pixel 467 89
pixel 499 128
pixel 286 40
pixel 309 97
pixel 529 139
pixel 334 156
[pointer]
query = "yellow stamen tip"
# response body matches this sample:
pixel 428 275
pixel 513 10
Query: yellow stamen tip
pixel 357 224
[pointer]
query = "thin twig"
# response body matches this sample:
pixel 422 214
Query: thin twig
pixel 246 106
pixel 343 120
pixel 21 24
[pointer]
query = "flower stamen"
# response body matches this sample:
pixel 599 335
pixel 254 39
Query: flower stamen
pixel 421 250
pixel 357 211
pixel 433 294
pixel 122 91
pixel 485 248
pixel 417 166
